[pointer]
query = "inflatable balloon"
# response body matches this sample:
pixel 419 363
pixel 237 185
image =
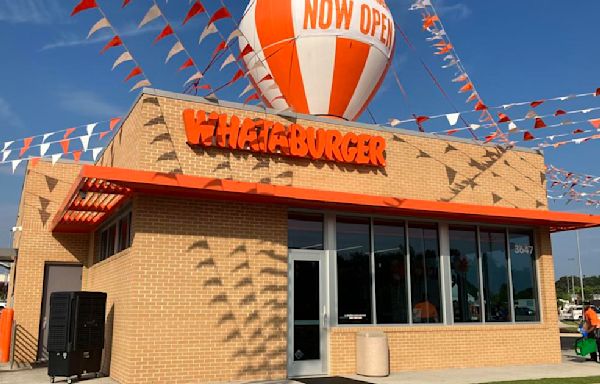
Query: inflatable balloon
pixel 321 57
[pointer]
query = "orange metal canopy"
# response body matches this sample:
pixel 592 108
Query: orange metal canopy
pixel 99 191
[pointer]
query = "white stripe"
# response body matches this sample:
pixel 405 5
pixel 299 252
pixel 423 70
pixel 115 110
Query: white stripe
pixel 256 62
pixel 374 68
pixel 316 56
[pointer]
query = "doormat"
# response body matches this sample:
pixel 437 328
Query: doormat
pixel 330 380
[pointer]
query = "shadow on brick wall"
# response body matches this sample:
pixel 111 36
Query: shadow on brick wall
pixel 253 313
pixel 25 348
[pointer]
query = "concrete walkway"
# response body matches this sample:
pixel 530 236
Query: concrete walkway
pixel 572 366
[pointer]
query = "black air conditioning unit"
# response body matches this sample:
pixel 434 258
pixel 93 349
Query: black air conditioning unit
pixel 75 333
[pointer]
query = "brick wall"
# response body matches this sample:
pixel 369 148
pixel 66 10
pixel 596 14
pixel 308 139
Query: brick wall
pixel 43 192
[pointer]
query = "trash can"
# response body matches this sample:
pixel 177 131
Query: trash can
pixel 372 354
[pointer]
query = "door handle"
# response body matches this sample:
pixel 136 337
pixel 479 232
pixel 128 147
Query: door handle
pixel 325 318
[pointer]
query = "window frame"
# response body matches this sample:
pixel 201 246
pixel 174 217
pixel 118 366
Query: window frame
pixel 103 252
pixel 447 319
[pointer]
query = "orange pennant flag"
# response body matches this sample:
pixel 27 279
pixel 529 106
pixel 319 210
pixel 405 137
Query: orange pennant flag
pixel 221 13
pixel 168 30
pixel 196 9
pixel 429 21
pixel 595 123
pixel 134 72
pixel 465 88
pixel 68 132
pixel 539 123
pixel 34 161
pixel 472 97
pixel 251 97
pixel 103 134
pixel 503 118
pixel 113 123
pixel 83 5
pixel 65 145
pixel 26 145
pixel 480 106
pixel 76 156
pixel 114 42
pixel 536 103
pixel 188 63
pixel 444 50
pixel 528 136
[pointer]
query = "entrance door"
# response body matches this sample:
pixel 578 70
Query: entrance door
pixel 57 278
pixel 307 312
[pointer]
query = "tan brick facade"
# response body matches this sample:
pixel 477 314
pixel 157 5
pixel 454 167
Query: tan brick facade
pixel 201 295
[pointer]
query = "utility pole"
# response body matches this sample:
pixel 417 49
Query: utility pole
pixel 580 269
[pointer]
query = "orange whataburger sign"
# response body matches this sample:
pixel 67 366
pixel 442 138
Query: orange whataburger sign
pixel 264 136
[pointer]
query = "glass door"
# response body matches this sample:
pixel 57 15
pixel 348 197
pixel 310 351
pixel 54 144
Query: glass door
pixel 308 313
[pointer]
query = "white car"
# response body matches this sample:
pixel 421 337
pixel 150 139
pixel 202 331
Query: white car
pixel 575 313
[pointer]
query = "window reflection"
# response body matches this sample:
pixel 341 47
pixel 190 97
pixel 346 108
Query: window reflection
pixel 495 275
pixel 353 270
pixel 425 273
pixel 464 263
pixel 523 277
pixel 305 231
pixel 390 272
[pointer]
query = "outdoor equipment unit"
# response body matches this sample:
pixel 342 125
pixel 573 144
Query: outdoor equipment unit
pixel 75 333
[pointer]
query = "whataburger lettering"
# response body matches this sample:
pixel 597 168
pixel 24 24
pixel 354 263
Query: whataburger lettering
pixel 264 136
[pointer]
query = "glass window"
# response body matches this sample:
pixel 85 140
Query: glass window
pixel 522 261
pixel 425 273
pixel 495 275
pixel 390 272
pixel 103 245
pixel 464 264
pixel 112 237
pixel 353 270
pixel 123 233
pixel 305 231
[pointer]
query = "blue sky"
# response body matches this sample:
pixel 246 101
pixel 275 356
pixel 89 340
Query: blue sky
pixel 53 78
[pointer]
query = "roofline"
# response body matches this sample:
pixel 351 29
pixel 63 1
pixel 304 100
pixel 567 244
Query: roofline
pixel 178 185
pixel 8 254
pixel 293 115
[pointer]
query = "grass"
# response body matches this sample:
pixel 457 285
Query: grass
pixel 573 380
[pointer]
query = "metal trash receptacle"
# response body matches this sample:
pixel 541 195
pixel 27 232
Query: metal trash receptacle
pixel 372 354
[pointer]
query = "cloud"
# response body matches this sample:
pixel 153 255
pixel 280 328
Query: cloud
pixel 457 11
pixel 8 116
pixel 72 40
pixel 87 103
pixel 31 11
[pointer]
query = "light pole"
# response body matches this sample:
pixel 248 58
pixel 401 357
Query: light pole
pixel 580 269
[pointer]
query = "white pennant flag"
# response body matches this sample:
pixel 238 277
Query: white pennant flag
pixel 230 59
pixel 56 157
pixel 90 128
pixel 257 64
pixel 141 83
pixel 15 164
pixel 44 148
pixel 96 152
pixel 195 76
pixel 579 141
pixel 209 30
pixel 85 141
pixel 125 56
pixel 248 88
pixel 474 126
pixel 46 136
pixel 394 122
pixel 152 14
pixel 5 155
pixel 452 118
pixel 178 47
pixel 587 110
pixel 512 126
pixel 233 35
pixel 7 144
pixel 551 137
pixel 102 23
pixel 420 4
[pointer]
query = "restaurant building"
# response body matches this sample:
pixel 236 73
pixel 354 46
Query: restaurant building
pixel 237 243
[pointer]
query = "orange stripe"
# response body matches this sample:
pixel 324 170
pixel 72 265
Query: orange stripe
pixel 362 109
pixel 350 60
pixel 282 56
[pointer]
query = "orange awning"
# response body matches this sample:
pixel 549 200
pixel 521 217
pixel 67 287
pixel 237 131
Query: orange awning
pixel 99 191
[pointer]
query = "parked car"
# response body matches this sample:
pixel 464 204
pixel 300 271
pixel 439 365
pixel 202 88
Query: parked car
pixel 576 313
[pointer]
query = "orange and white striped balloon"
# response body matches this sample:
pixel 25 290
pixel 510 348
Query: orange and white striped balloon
pixel 322 57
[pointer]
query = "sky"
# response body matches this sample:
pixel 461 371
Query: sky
pixel 52 77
